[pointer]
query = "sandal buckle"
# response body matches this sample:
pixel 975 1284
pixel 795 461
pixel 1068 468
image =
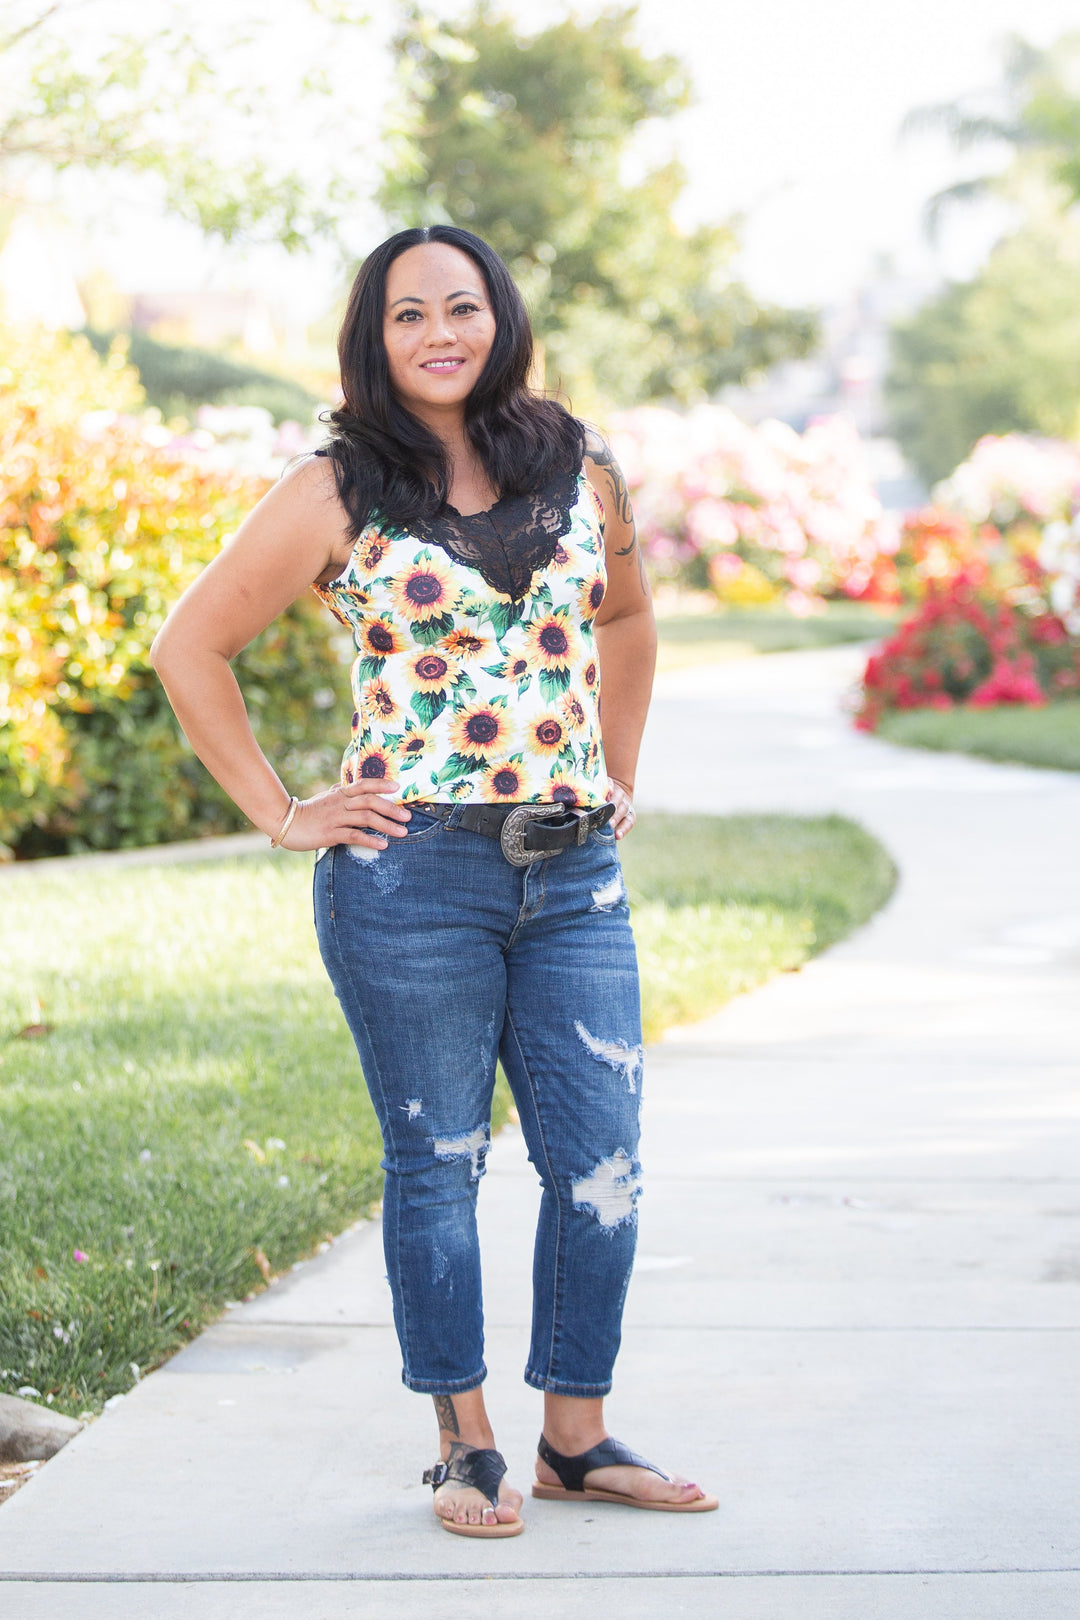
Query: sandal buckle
pixel 436 1476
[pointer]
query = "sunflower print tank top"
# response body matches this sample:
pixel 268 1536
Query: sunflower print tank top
pixel 476 677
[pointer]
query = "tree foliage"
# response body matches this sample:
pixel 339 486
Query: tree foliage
pixel 525 140
pixel 187 108
pixel 1034 110
pixel 997 354
pixel 1001 353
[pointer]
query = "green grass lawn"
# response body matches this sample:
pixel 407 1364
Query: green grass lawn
pixel 1049 737
pixel 711 638
pixel 180 1101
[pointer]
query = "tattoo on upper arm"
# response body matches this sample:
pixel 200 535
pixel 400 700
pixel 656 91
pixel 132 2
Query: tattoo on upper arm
pixel 444 1411
pixel 602 456
pixel 600 453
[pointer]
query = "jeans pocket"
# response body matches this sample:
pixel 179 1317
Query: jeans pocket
pixel 421 825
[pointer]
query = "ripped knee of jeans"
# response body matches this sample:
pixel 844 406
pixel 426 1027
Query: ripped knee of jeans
pixel 473 1145
pixel 610 1191
pixel 619 1055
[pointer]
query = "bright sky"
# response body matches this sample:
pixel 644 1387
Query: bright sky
pixel 799 104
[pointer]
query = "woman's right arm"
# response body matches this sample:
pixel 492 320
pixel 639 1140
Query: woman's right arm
pixel 289 540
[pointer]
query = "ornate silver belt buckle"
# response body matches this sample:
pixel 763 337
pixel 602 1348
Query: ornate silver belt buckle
pixel 512 837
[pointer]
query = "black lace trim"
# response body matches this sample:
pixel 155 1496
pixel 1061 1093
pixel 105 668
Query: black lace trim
pixel 512 539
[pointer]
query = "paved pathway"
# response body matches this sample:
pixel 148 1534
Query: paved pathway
pixel 856 1314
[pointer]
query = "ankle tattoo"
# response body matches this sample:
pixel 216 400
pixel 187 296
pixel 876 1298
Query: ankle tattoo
pixel 445 1414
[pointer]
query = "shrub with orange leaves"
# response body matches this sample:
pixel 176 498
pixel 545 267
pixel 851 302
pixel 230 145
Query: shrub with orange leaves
pixel 104 519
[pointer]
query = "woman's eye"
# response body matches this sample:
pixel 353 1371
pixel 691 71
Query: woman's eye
pixel 464 309
pixel 407 315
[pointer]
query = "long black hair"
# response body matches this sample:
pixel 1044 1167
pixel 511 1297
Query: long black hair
pixel 387 464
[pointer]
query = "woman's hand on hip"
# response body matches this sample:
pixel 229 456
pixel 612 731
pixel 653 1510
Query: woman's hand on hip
pixel 349 813
pixel 622 797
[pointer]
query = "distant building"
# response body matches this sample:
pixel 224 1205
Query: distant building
pixel 847 374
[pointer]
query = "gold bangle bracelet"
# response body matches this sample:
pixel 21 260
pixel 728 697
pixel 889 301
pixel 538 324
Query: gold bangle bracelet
pixel 294 805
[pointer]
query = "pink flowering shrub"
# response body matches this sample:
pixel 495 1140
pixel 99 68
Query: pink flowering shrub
pixel 756 514
pixel 968 646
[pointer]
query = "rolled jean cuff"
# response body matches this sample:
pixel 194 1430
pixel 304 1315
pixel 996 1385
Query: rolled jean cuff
pixel 558 1386
pixel 439 1386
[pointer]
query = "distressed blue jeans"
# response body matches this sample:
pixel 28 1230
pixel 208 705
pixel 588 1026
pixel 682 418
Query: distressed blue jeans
pixel 446 958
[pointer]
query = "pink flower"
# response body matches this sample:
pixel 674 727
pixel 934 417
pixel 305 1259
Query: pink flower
pixel 78 1256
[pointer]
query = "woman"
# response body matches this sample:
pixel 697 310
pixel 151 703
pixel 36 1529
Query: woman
pixel 469 903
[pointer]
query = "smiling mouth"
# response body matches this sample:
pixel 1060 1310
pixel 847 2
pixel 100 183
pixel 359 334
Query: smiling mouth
pixel 443 365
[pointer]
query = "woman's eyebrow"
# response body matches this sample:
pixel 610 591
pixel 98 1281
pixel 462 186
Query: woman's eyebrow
pixel 411 298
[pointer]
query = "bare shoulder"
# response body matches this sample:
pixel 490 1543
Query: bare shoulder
pixel 309 482
pixel 606 477
pixel 304 504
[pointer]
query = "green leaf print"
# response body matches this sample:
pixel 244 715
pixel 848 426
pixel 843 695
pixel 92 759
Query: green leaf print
pixel 428 631
pixel 541 601
pixel 501 615
pixel 458 765
pixel 554 681
pixel 369 667
pixel 427 705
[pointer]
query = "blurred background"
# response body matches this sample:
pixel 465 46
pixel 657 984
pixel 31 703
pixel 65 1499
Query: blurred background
pixel 816 270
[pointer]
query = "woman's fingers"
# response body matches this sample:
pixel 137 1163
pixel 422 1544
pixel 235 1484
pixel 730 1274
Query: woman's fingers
pixel 348 815
pixel 623 819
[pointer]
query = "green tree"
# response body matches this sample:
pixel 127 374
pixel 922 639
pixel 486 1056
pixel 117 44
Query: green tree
pixel 997 354
pixel 524 139
pixel 189 109
pixel 1034 110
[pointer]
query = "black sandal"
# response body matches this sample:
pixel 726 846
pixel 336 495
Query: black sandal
pixel 484 1470
pixel 609 1453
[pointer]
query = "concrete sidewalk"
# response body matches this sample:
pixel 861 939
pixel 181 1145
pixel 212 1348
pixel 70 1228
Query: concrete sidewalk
pixel 856 1314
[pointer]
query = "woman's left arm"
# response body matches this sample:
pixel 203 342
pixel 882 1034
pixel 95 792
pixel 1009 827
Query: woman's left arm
pixel 625 632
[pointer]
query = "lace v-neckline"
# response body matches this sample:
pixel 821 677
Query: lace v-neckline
pixel 521 533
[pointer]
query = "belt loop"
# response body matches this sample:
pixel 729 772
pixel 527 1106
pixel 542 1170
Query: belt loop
pixel 453 818
pixel 584 825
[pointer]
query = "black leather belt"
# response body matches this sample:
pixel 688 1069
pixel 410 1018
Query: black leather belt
pixel 526 832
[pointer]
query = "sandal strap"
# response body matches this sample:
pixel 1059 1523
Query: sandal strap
pixel 482 1468
pixel 608 1454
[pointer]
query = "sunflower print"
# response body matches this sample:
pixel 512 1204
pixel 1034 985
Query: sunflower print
pixel 378 637
pixel 464 694
pixel 480 730
pixel 549 735
pixel 370 550
pixel 374 760
pixel 377 702
pixel 573 712
pixel 415 745
pixel 591 595
pixel 551 642
pixel 425 590
pixel 503 783
pixel 466 643
pixel 565 788
pixel 432 672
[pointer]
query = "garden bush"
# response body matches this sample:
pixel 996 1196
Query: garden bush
pixel 176 378
pixel 758 515
pixel 104 519
pixel 968 645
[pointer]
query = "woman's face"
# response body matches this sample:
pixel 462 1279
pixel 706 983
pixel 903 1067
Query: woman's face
pixel 438 328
